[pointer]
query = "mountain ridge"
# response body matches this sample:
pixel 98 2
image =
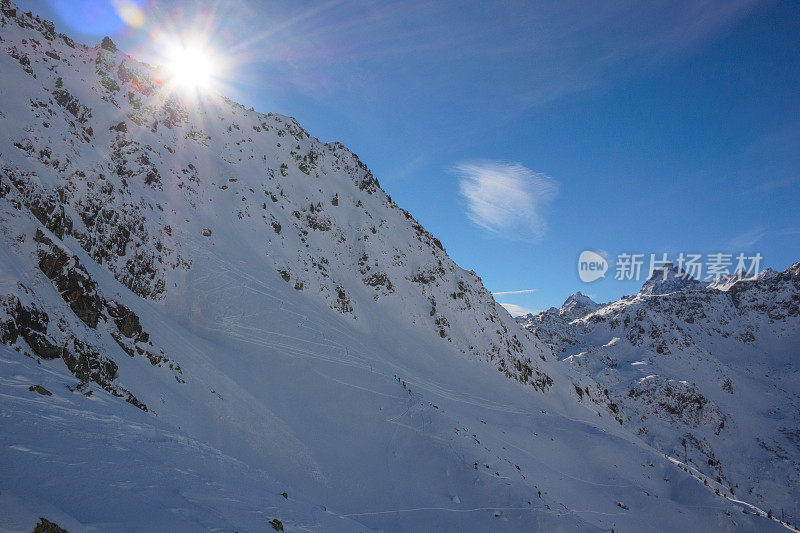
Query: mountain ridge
pixel 703 367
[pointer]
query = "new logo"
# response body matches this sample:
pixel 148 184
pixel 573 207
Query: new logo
pixel 591 266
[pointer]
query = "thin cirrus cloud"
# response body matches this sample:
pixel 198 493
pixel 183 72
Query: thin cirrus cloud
pixel 523 291
pixel 506 198
pixel 750 238
pixel 747 239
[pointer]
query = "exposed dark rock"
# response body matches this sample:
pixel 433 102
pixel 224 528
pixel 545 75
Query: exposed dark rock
pixel 342 304
pixel 71 279
pixel 30 323
pixel 41 390
pixel 379 279
pixel 51 215
pixel 126 320
pixel 87 364
pixel 108 44
pixel 73 105
pixel 46 526
pixel 41 345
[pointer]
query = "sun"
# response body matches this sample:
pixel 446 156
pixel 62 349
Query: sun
pixel 191 66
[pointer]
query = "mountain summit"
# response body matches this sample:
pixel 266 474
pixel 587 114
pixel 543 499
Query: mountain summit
pixel 577 305
pixel 669 278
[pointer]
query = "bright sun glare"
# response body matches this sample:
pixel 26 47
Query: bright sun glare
pixel 191 66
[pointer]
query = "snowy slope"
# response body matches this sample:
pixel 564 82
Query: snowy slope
pixel 712 366
pixel 223 308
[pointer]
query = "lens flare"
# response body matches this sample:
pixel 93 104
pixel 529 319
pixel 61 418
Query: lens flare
pixel 191 66
pixel 130 13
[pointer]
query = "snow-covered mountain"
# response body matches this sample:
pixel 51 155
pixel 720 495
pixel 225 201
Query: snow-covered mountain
pixel 577 305
pixel 669 278
pixel 210 319
pixel 706 372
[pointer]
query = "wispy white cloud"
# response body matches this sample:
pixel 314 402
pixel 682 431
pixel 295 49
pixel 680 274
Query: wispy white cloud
pixel 506 198
pixel 523 291
pixel 747 239
pixel 517 310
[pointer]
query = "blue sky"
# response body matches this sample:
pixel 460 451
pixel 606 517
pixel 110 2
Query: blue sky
pixel 523 133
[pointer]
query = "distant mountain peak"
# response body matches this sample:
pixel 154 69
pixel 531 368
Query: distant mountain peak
pixel 578 302
pixel 669 278
pixel 724 283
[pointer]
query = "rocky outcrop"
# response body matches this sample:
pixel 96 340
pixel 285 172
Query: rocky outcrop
pixel 71 280
pixel 45 339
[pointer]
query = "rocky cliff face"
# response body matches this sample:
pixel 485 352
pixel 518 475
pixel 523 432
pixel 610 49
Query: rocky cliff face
pixel 107 159
pixel 706 372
